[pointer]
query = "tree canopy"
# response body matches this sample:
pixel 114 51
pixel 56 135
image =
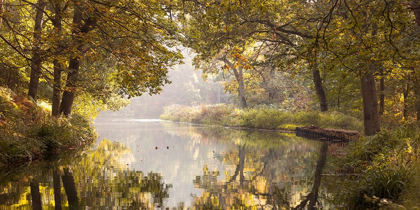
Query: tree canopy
pixel 266 52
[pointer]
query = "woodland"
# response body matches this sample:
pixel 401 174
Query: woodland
pixel 351 55
pixel 301 61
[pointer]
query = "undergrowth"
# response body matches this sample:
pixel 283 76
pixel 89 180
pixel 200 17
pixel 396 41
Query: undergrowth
pixel 264 118
pixel 385 168
pixel 28 132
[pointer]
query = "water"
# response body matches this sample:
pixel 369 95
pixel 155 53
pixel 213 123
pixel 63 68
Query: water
pixel 152 164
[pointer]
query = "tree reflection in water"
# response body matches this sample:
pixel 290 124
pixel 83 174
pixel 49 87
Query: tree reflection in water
pixel 98 180
pixel 314 194
pixel 266 174
pixel 241 170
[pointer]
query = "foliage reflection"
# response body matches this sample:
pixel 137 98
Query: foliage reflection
pixel 268 170
pixel 98 179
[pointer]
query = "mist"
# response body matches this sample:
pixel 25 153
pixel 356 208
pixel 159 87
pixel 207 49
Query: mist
pixel 187 88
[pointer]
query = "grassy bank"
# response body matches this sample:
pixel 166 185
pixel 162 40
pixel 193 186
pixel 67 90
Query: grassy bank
pixel 28 132
pixel 263 118
pixel 386 170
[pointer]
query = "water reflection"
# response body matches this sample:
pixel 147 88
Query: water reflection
pixel 98 179
pixel 154 164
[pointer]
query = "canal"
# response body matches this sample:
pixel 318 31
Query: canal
pixel 154 164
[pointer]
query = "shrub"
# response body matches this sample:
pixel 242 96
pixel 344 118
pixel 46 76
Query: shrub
pixel 380 183
pixel 307 118
pixel 386 164
pixel 248 118
pixel 381 146
pixel 28 131
pixel 264 118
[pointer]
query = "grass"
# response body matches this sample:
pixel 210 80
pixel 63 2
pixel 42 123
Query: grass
pixel 387 165
pixel 28 132
pixel 263 118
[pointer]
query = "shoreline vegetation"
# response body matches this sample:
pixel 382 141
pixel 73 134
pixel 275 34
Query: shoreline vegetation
pixel 258 118
pixel 28 132
pixel 381 171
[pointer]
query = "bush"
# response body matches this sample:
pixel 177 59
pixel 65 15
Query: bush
pixel 264 118
pixel 380 183
pixel 386 164
pixel 383 145
pixel 27 130
pixel 307 118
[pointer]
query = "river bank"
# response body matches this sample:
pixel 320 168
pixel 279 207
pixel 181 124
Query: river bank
pixel 258 118
pixel 380 171
pixel 29 133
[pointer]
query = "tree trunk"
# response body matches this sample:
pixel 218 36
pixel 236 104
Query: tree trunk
pixel 57 189
pixel 239 78
pixel 320 90
pixel 416 9
pixel 70 188
pixel 338 98
pixel 69 92
pixel 36 196
pixel 36 57
pixel 381 94
pixel 241 87
pixel 57 65
pixel 56 89
pixel 74 64
pixel 370 104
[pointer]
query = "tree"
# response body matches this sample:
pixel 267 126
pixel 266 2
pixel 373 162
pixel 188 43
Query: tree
pixel 214 26
pixel 234 63
pixel 36 60
pixel 137 42
pixel 36 196
pixel 79 33
pixel 58 66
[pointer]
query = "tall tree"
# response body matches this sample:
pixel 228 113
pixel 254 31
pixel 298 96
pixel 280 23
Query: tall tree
pixel 36 60
pixel 137 42
pixel 78 34
pixel 237 69
pixel 371 117
pixel 58 67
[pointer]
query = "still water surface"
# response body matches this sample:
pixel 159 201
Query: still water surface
pixel 152 164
